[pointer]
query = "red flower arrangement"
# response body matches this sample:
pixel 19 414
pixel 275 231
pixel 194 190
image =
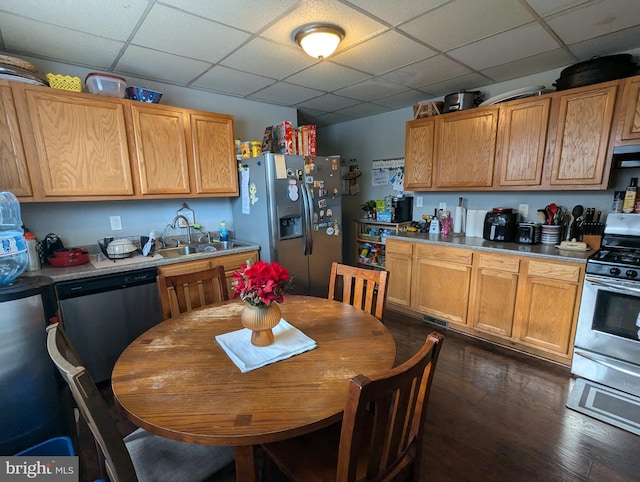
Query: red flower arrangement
pixel 261 283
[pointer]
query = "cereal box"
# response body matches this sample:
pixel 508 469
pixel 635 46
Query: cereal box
pixel 283 137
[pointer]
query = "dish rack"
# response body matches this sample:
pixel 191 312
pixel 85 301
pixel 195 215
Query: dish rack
pixel 138 242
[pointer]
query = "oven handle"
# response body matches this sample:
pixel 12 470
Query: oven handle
pixel 617 366
pixel 612 286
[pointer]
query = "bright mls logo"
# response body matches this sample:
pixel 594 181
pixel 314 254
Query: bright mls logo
pixel 51 469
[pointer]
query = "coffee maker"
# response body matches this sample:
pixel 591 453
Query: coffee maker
pixel 500 225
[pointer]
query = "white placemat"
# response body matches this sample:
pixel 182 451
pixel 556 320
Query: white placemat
pixel 289 341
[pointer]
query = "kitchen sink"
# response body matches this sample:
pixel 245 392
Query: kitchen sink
pixel 187 249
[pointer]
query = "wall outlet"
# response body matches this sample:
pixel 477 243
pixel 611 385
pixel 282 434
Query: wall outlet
pixel 523 209
pixel 116 223
pixel 442 207
pixel 419 201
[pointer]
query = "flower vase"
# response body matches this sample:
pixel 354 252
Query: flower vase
pixel 260 320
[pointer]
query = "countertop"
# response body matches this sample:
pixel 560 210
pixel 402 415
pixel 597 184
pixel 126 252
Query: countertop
pixel 480 244
pixel 89 271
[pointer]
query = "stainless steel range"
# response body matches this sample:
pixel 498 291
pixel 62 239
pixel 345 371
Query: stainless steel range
pixel 606 357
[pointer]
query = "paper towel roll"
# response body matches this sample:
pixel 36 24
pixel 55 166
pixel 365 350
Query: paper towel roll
pixel 458 220
pixel 475 222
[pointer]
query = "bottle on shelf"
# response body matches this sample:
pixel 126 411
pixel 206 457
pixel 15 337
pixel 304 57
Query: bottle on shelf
pixel 224 234
pixel 32 249
pixel 629 202
pixel 14 257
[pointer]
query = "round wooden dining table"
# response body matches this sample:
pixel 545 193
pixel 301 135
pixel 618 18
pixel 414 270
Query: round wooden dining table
pixel 176 381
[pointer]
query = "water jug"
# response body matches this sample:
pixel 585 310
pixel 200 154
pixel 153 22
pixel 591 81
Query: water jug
pixel 14 257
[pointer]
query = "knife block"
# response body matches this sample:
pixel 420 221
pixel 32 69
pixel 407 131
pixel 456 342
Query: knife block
pixel 592 240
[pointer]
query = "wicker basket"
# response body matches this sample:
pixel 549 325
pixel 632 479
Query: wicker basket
pixel 64 82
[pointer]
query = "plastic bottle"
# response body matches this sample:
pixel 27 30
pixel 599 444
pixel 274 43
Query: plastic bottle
pixel 32 249
pixel 224 234
pixel 629 202
pixel 14 257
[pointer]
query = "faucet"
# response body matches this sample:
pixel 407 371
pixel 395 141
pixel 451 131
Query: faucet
pixel 173 225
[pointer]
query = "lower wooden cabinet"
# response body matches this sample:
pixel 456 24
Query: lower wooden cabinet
pixel 399 262
pixel 231 263
pixel 523 302
pixel 440 282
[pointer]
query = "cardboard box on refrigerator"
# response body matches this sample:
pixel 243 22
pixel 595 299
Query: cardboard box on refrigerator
pixel 283 137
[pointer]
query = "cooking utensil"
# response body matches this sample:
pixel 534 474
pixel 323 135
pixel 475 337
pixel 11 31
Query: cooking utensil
pixel 596 70
pixel 551 211
pixel 461 100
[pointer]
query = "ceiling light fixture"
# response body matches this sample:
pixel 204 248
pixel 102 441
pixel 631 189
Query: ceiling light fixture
pixel 319 40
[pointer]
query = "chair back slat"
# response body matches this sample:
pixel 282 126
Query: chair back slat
pixel 363 288
pixel 384 418
pixel 185 292
pixel 92 406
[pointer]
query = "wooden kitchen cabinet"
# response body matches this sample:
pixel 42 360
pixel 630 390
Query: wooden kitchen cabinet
pixel 159 139
pixel 214 157
pixel 440 282
pixel 14 174
pixel 231 263
pixel 548 303
pixel 522 138
pixel 465 148
pixel 418 157
pixel 493 293
pixel 399 261
pixel 581 127
pixel 77 143
pixel 630 111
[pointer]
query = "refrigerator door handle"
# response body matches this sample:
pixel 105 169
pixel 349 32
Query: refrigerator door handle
pixel 307 216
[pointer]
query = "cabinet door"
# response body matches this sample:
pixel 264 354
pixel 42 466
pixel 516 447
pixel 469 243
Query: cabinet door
pixel 493 293
pixel 418 156
pixel 81 143
pixel 631 109
pixel 582 136
pixel 465 148
pixel 14 175
pixel 522 137
pixel 214 157
pixel 161 149
pixel 398 263
pixel 548 306
pixel 441 281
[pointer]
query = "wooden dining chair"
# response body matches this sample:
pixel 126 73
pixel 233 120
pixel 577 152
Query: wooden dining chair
pixel 380 437
pixel 184 292
pixel 360 287
pixel 140 455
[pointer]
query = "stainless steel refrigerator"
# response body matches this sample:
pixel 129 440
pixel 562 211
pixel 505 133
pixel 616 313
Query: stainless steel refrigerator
pixel 291 206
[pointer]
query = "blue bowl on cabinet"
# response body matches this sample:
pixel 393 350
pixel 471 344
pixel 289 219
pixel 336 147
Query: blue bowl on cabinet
pixel 143 95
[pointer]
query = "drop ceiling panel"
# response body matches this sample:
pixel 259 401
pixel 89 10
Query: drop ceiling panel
pixel 150 64
pixel 328 103
pixel 429 71
pixel 383 53
pixel 230 81
pixel 285 94
pixel 371 89
pixel 401 11
pixel 460 22
pixel 531 65
pixel 327 76
pixel 179 33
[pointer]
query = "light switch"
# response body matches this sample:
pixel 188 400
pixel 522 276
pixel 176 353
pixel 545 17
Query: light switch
pixel 523 209
pixel 419 201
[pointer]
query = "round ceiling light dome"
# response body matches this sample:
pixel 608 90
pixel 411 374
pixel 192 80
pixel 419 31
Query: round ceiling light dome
pixel 319 40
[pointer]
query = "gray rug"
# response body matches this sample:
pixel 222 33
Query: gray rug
pixel 603 403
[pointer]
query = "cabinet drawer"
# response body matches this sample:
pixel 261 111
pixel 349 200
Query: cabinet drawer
pixel 399 247
pixel 560 272
pixel 500 263
pixel 453 255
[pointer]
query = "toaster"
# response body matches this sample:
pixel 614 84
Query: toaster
pixel 529 233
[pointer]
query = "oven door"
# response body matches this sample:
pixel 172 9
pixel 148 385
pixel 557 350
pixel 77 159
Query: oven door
pixel 607 344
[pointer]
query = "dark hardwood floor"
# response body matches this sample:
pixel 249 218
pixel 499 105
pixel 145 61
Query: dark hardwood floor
pixel 499 415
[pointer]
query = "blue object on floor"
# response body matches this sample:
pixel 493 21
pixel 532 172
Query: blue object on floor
pixel 55 446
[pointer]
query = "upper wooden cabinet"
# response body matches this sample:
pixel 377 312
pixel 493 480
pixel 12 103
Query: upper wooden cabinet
pixel 90 147
pixel 214 154
pixel 79 143
pixel 522 137
pixel 418 157
pixel 465 148
pixel 557 141
pixel 580 143
pixel 14 175
pixel 629 123
pixel 159 137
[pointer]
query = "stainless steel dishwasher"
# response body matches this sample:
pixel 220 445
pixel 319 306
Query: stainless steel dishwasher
pixel 103 314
